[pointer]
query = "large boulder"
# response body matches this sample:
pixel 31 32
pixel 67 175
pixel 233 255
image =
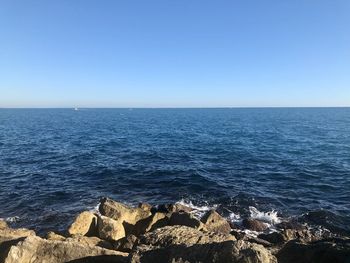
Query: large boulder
pixel 37 250
pixel 84 240
pixel 10 237
pixel 145 206
pixel 119 211
pixel 54 236
pixel 3 224
pixel 254 224
pixel 185 244
pixel 185 219
pixel 84 224
pixel 110 229
pixel 159 219
pixel 215 223
pixel 172 208
pixel 323 251
pixel 150 223
pixel 257 240
pixel 126 244
pixel 289 234
pixel 175 235
pixel 91 241
pixel 246 252
pixel 7 233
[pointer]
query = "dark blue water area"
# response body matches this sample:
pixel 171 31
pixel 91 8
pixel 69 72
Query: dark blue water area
pixel 55 163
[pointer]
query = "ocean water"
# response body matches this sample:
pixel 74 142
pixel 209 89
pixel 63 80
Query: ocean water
pixel 264 162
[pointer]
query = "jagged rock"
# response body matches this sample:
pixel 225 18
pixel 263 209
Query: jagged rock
pixel 215 223
pixel 125 244
pixel 259 241
pixel 304 235
pixel 84 240
pixel 232 225
pixel 288 234
pixel 224 252
pixel 201 253
pixel 53 236
pixel 175 235
pixel 3 224
pixel 84 224
pixel 185 244
pixel 11 233
pixel 110 229
pixel 180 208
pixel 37 250
pixel 253 224
pixel 145 206
pixel 185 219
pixel 245 252
pixel 323 251
pixel 238 234
pixel 10 237
pixel 274 237
pixel 119 211
pixel 157 220
pixel 91 241
pixel 150 223
pixel 172 208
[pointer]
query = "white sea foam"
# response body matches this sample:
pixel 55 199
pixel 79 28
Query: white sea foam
pixel 197 210
pixel 267 217
pixel 95 209
pixel 12 219
pixel 235 218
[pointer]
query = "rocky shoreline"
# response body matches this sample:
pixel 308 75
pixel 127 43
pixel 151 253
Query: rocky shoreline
pixel 170 233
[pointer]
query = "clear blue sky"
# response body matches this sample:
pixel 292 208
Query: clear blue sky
pixel 179 53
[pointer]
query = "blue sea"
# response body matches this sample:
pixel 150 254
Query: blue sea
pixel 293 162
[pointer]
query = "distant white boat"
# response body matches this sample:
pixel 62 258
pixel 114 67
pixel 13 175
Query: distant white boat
pixel 76 109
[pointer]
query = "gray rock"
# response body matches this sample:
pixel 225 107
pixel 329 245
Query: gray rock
pixel 172 208
pixel 254 224
pixel 260 241
pixel 126 244
pixel 185 219
pixel 323 251
pixel 287 235
pixel 150 223
pixel 238 234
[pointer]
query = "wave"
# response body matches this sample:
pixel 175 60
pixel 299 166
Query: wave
pixel 198 211
pixel 11 219
pixel 269 217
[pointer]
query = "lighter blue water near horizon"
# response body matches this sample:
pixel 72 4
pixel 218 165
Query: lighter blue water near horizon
pixel 55 163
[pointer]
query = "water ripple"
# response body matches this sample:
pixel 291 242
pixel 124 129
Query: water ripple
pixel 55 163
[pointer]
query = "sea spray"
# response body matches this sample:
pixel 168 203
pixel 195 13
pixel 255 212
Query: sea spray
pixel 267 217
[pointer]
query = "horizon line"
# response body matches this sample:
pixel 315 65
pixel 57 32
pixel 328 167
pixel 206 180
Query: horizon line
pixel 184 107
